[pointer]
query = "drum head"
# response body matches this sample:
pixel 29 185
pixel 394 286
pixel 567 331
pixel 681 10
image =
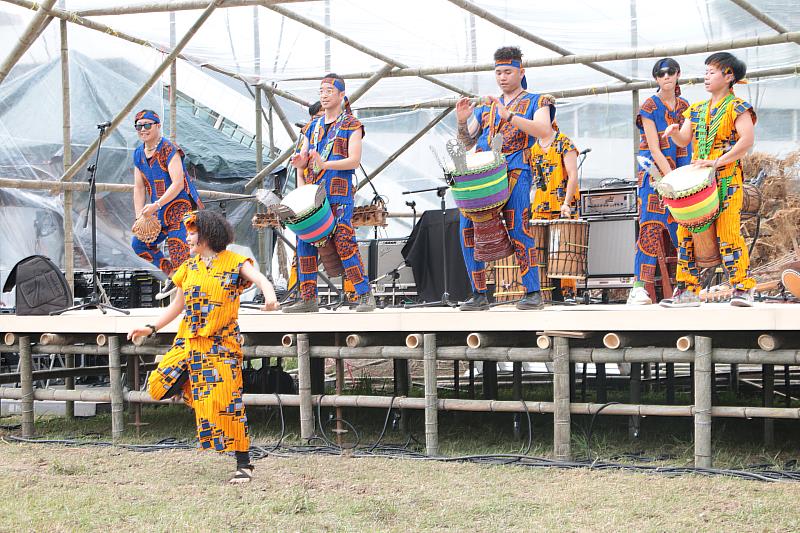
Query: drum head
pixel 474 160
pixel 304 199
pixel 685 181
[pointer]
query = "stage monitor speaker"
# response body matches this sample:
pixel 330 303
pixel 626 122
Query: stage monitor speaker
pixel 41 286
pixel 612 250
pixel 385 256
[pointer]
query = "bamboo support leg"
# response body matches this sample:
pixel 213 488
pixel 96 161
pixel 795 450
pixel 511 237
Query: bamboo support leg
pixel 600 382
pixel 304 387
pixel 115 377
pixel 769 400
pixel 401 388
pixel 634 422
pixel 702 402
pixel 69 384
pixel 561 399
pixel 339 391
pixel 431 399
pixel 516 393
pixel 26 382
pixel 735 379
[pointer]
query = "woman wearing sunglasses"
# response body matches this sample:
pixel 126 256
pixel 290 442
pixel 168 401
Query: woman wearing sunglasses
pixel 656 225
pixel 161 189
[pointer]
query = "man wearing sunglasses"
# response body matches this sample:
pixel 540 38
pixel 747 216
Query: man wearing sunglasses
pixel 161 189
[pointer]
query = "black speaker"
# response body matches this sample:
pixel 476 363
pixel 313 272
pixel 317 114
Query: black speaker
pixel 386 256
pixel 41 286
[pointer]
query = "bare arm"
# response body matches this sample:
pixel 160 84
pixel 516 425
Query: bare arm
pixel 468 127
pixel 139 192
pixel 169 314
pixel 653 144
pixel 683 136
pixel 251 274
pixel 571 166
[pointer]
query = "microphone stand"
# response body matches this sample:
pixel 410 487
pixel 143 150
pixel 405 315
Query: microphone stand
pixel 445 301
pixel 95 299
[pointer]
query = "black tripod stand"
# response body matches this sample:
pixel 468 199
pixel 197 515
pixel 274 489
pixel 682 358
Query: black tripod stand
pixel 95 300
pixel 445 301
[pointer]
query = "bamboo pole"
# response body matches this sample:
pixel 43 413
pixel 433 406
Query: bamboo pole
pixel 115 378
pixel 771 341
pixel 413 340
pixel 173 84
pixel 66 132
pixel 35 28
pixel 582 59
pixel 372 80
pixel 685 343
pixel 69 384
pixel 614 341
pixel 290 339
pixel 123 113
pixel 304 387
pixel 635 388
pixel 26 384
pixel 431 403
pixel 174 5
pixel 9 339
pixel 521 32
pixel 760 15
pixel 282 116
pixel 561 399
pixel 58 186
pixel 702 402
pixel 383 402
pixel 768 372
pixel 361 48
pixel 543 342
pixel 397 153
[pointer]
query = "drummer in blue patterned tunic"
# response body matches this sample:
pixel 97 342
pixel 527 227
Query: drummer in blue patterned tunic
pixel 520 117
pixel 330 153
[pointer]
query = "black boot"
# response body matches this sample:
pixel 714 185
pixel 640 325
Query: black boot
pixel 478 302
pixel 531 302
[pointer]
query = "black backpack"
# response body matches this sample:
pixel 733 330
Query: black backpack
pixel 41 286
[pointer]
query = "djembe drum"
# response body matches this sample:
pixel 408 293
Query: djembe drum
pixel 540 231
pixel 479 184
pixel 692 197
pixel 568 256
pixel 307 212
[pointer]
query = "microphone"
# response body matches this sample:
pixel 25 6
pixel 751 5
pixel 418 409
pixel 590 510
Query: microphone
pixel 299 124
pixel 104 125
pixel 412 204
pixel 582 152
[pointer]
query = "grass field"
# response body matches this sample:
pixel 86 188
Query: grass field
pixel 58 488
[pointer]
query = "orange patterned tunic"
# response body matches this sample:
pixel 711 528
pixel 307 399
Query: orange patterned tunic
pixel 208 348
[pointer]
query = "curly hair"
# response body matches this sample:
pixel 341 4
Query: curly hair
pixel 507 53
pixel 728 64
pixel 213 229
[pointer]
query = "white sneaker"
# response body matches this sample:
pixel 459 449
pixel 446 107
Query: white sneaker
pixel 682 298
pixel 639 296
pixel 168 290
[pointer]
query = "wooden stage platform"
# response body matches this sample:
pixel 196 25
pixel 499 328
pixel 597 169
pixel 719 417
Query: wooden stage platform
pixel 764 317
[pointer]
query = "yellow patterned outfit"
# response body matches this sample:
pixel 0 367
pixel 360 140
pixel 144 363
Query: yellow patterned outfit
pixel 547 166
pixel 208 348
pixel 734 253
